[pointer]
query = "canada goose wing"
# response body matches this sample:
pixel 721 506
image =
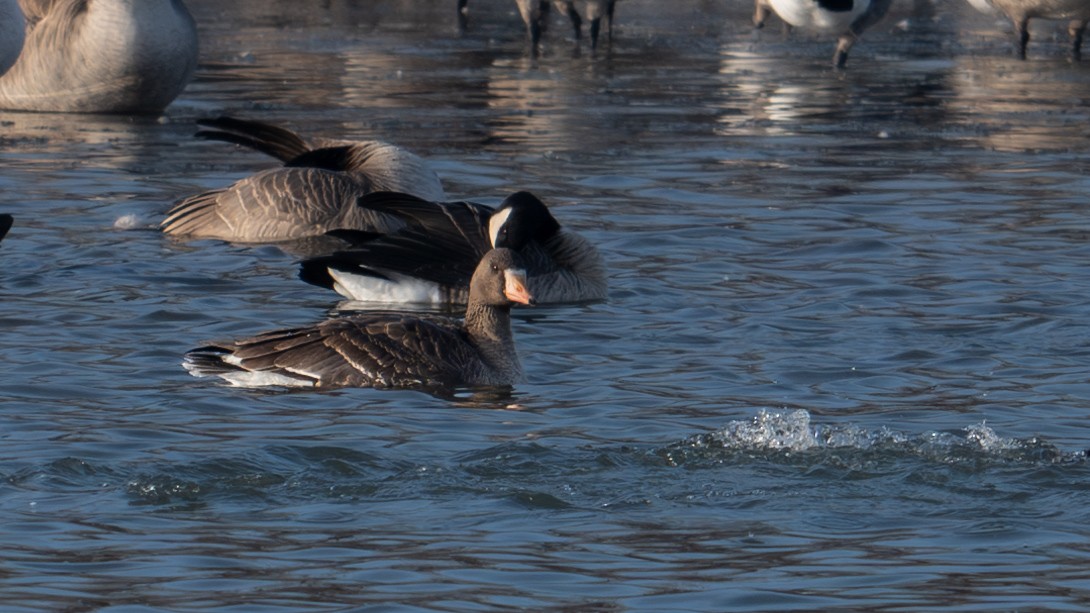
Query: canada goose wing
pixel 385 166
pixel 439 259
pixel 5 224
pixel 370 350
pixel 280 143
pixel 452 221
pixel 277 205
pixel 337 159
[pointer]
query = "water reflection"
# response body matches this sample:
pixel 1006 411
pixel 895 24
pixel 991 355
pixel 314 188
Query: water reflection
pixel 899 248
pixel 1016 106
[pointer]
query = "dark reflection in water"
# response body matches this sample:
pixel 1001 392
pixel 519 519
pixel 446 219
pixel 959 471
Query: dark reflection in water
pixel 842 364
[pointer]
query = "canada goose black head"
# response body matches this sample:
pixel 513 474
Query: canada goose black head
pixel 520 219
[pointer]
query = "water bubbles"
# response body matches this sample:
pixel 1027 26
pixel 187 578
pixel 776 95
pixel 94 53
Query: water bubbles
pixel 784 434
pixel 768 430
pixel 127 222
pixel 985 437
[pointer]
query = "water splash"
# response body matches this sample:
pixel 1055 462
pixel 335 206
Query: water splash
pixel 128 222
pixel 790 433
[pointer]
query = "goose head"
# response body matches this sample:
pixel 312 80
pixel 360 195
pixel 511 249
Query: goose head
pixel 500 280
pixel 521 218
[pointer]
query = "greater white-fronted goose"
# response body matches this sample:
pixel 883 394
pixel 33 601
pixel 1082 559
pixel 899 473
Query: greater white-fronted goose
pixel 12 33
pixel 432 259
pixel 390 349
pixel 314 192
pixel 5 224
pixel 1021 11
pixel 101 56
pixel 845 18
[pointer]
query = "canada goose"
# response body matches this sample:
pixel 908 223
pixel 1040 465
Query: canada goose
pixel 432 259
pixel 1021 11
pixel 534 13
pixel 5 224
pixel 101 56
pixel 387 349
pixel 846 18
pixel 595 11
pixel 314 192
pixel 12 33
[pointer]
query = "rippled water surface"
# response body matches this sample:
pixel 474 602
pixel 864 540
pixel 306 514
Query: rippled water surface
pixel 843 364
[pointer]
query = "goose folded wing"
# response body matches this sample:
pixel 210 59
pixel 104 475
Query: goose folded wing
pixel 465 221
pixel 379 350
pixel 443 259
pixel 341 158
pixel 277 142
pixel 275 204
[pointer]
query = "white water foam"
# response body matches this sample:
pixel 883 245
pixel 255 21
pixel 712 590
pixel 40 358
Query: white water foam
pixel 793 432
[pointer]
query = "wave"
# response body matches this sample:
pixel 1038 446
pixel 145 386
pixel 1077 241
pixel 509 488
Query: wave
pixel 791 433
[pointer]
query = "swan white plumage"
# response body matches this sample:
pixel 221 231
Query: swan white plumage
pixel 101 56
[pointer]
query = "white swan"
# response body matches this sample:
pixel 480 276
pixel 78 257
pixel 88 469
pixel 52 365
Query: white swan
pixel 101 56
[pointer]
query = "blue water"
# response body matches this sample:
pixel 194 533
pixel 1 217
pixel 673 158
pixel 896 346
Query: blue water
pixel 843 365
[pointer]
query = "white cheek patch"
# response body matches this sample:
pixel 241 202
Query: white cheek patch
pixel 496 223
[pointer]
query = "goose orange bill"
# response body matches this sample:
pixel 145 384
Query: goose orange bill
pixel 514 287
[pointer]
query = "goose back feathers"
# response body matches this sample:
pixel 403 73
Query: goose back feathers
pixel 315 191
pixel 101 56
pixel 431 260
pixel 387 349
